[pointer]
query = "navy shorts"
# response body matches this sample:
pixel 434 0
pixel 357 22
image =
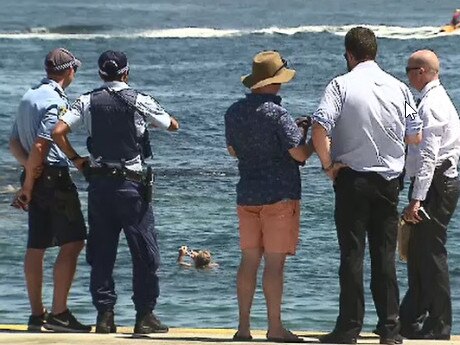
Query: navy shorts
pixel 55 216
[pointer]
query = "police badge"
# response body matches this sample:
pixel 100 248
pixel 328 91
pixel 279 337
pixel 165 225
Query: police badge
pixel 61 111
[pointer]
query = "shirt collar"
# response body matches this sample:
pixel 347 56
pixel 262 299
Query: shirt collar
pixel 115 85
pixel 264 97
pixel 432 84
pixel 56 86
pixel 366 64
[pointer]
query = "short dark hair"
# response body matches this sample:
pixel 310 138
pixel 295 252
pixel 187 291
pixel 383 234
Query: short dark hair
pixel 110 78
pixel 361 43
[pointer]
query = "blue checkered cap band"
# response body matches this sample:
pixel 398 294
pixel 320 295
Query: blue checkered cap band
pixel 113 63
pixel 60 59
pixel 117 72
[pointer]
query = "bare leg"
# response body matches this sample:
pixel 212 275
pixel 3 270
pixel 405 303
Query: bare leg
pixel 273 279
pixel 33 271
pixel 246 285
pixel 64 271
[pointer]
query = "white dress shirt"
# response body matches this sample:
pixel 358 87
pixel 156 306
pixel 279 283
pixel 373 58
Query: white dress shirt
pixel 440 139
pixel 363 111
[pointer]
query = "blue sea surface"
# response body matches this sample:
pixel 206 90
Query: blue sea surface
pixel 190 55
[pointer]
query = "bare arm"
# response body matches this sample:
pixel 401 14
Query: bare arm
pixel 34 162
pixel 180 258
pixel 18 151
pixel 299 153
pixel 174 126
pixel 60 138
pixel 322 144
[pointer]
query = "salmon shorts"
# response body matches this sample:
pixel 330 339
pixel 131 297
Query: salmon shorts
pixel 274 227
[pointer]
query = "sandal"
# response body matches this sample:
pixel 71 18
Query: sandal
pixel 292 338
pixel 237 337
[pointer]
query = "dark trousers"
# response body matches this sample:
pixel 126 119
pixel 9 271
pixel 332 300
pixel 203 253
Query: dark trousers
pixel 115 204
pixel 426 307
pixel 367 203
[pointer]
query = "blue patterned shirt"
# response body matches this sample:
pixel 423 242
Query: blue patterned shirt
pixel 261 132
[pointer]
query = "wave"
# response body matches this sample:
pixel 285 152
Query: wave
pixel 91 32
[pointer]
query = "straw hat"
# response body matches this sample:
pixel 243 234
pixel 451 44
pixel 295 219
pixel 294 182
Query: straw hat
pixel 268 67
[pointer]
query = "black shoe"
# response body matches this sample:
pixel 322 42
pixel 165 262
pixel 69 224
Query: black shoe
pixel 337 338
pixel 430 336
pixel 105 322
pixel 398 339
pixel 36 322
pixel 149 323
pixel 65 322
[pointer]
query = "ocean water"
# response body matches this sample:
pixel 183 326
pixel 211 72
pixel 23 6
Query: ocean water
pixel 190 56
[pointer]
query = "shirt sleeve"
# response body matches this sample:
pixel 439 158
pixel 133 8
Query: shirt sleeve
pixel 429 151
pixel 49 121
pixel 75 115
pixel 153 111
pixel 228 131
pixel 330 106
pixel 288 132
pixel 414 123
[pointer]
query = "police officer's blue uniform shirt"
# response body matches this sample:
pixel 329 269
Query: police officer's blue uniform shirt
pixel 363 111
pixel 152 113
pixel 38 113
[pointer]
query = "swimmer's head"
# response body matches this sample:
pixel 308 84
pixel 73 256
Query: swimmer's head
pixel 202 259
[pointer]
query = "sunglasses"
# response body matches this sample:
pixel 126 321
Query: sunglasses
pixel 75 69
pixel 284 65
pixel 408 69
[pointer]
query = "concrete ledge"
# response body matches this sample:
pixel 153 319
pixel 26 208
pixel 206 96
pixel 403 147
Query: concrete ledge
pixel 17 334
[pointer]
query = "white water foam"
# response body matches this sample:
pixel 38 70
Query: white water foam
pixel 381 31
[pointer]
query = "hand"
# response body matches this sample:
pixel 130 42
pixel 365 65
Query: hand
pixel 22 199
pixel 303 122
pixel 80 162
pixel 183 250
pixel 333 170
pixel 411 212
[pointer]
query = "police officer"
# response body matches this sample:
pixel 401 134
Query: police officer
pixel 119 196
pixel 55 217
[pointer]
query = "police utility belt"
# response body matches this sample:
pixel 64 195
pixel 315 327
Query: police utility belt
pixel 145 177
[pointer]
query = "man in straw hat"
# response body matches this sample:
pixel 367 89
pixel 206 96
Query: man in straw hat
pixel 269 146
pixel 361 124
pixel 55 217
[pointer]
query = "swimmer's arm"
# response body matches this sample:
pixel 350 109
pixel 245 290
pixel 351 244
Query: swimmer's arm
pixel 180 260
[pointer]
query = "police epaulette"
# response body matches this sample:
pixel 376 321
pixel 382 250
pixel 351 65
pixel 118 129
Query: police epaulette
pixel 142 93
pixel 95 90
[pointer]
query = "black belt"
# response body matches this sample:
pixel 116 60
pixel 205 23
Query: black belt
pixel 125 174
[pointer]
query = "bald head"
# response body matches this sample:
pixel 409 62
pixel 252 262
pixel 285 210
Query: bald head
pixel 426 59
pixel 422 68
